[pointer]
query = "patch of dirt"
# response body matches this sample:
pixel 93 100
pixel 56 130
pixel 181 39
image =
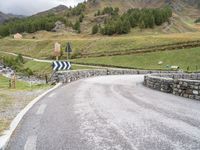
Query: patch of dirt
pixel 12 102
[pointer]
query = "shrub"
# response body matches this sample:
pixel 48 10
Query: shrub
pixel 76 54
pixel 197 21
pixel 95 29
pixel 77 27
pixel 19 59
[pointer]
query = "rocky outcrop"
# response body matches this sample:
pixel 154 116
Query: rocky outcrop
pixel 58 26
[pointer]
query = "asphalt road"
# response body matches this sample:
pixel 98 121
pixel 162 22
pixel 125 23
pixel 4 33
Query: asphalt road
pixel 112 112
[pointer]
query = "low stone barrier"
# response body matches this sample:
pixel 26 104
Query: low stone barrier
pixel 69 76
pixel 185 85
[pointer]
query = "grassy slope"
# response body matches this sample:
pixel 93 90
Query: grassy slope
pixel 42 48
pixel 41 69
pixel 182 58
pixel 20 85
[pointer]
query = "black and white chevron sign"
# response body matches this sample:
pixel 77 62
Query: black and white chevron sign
pixel 61 65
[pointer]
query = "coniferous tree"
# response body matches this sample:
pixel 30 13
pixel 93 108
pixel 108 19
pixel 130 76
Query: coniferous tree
pixel 95 29
pixel 77 27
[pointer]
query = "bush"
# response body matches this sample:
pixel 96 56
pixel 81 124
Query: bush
pixel 81 18
pixel 19 59
pixel 108 10
pixel 16 64
pixel 95 29
pixel 77 27
pixel 197 21
pixel 76 54
pixel 76 11
pixel 27 71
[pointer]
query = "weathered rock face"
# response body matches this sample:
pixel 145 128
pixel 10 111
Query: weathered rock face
pixel 58 26
pixel 185 85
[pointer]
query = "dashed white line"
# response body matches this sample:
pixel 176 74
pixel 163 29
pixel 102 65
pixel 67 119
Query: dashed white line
pixel 31 143
pixel 41 109
pixel 52 94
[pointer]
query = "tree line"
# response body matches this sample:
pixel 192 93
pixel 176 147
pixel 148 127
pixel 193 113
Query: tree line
pixel 108 10
pixel 45 22
pixel 30 24
pixel 76 11
pixel 142 18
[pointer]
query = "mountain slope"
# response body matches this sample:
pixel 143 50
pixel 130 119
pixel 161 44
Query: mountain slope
pixel 185 12
pixel 4 17
pixel 56 10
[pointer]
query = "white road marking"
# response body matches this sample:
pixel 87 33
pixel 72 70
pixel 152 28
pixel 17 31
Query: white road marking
pixel 52 94
pixel 41 109
pixel 31 143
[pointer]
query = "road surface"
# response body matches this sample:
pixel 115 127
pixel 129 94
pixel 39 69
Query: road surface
pixel 109 113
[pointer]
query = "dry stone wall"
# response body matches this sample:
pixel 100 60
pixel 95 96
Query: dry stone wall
pixel 69 76
pixel 185 85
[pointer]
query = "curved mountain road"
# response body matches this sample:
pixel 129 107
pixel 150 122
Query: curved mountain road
pixel 109 112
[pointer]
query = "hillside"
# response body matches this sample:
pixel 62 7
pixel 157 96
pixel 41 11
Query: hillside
pixel 184 12
pixel 177 32
pixel 4 17
pixel 83 18
pixel 56 10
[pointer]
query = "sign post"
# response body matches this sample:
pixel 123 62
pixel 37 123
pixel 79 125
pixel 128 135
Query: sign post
pixel 12 82
pixel 68 50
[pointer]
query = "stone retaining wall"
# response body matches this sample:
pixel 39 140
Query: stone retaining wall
pixel 191 76
pixel 185 85
pixel 68 76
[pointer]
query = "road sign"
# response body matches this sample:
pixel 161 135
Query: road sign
pixel 68 48
pixel 61 65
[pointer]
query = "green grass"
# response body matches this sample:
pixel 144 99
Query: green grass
pixel 78 67
pixel 4 82
pixel 42 68
pixel 182 58
pixel 39 68
pixel 43 47
pixel 20 85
